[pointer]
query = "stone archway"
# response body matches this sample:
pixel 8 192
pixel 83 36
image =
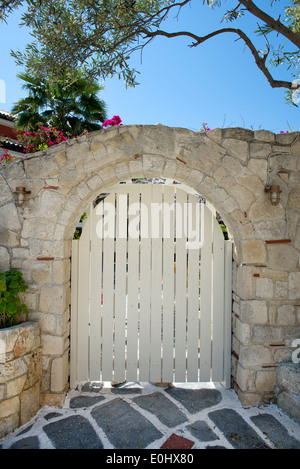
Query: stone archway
pixel 230 167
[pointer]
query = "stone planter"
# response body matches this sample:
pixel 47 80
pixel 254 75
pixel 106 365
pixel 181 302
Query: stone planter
pixel 20 374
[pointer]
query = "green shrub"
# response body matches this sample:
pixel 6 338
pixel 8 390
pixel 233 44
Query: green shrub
pixel 11 284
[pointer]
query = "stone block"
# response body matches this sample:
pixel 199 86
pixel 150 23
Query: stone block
pixel 294 200
pixel 59 373
pixel 242 331
pixel 294 285
pixel 29 403
pixel 41 166
pixel 265 381
pixel 267 334
pixel 40 228
pixel 286 315
pixel 239 148
pixel 254 311
pixel 9 407
pixel 254 355
pixel 15 386
pixel 253 252
pixel 50 204
pixel 9 217
pixel 264 288
pixel 282 257
pixel 52 345
pixel 52 299
pixel 245 378
pixel 260 150
pixel 4 259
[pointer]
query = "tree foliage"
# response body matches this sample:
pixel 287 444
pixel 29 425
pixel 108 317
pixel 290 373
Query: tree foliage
pixel 101 35
pixel 70 103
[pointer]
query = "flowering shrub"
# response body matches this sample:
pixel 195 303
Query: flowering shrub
pixel 42 139
pixel 6 156
pixel 286 131
pixel 204 127
pixel 116 120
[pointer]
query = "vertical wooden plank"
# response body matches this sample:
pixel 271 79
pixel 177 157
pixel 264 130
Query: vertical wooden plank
pixel 145 283
pixel 227 313
pixel 156 283
pixel 74 315
pixel 108 287
pixel 95 295
pixel 193 290
pixel 218 303
pixel 120 285
pixel 205 298
pixel 180 286
pixel 83 303
pixel 168 284
pixel 133 274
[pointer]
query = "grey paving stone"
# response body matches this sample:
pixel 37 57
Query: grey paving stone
pixel 195 400
pixel 73 432
pixel 126 391
pixel 30 442
pixel 78 402
pixel 215 447
pixel 22 432
pixel 275 431
pixel 236 430
pixel 159 405
pixel 124 426
pixel 202 431
pixel 52 415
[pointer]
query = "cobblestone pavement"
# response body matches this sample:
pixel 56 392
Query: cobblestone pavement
pixel 152 417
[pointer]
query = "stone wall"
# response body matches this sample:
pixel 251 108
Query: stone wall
pixel 20 375
pixel 230 167
pixel 287 389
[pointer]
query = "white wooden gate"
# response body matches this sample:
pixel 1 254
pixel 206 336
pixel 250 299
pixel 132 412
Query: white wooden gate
pixel 151 290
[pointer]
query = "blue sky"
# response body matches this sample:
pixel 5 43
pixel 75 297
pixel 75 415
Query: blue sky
pixel 217 82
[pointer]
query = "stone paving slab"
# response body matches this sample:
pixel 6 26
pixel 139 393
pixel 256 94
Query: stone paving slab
pixel 149 417
pixel 117 417
pixel 164 409
pixel 236 430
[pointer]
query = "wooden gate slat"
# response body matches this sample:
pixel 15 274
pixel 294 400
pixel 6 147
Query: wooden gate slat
pixel 168 285
pixel 120 286
pixel 218 303
pixel 205 298
pixel 227 313
pixel 83 303
pixel 108 288
pixel 95 298
pixel 180 287
pixel 193 214
pixel 156 287
pixel 145 282
pixel 74 314
pixel 133 276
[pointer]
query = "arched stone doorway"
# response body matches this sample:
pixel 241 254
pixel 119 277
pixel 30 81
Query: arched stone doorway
pixel 230 167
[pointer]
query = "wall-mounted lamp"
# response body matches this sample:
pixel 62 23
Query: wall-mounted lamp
pixel 274 193
pixel 21 192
